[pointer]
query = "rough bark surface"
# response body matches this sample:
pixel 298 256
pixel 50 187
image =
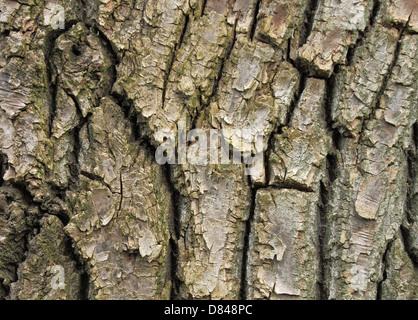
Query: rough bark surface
pixel 331 211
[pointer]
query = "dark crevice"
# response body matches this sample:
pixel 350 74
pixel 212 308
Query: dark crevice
pixel 52 87
pixel 329 98
pixel 384 273
pixel 173 57
pixel 267 154
pixel 218 78
pixel 4 290
pixel 129 113
pixel 411 176
pixel 291 185
pixel 48 50
pixel 84 285
pixel 288 50
pixel 331 125
pixel 223 62
pixel 75 166
pixel 385 82
pixel 255 20
pixel 411 195
pixel 308 22
pixel 322 223
pixel 204 3
pixel 411 252
pixel 375 10
pixel 63 216
pixel 332 167
pixel 363 34
pixel 136 120
pixel 175 227
pixel 5 33
pixel 245 249
pixel 121 190
pixel 32 224
pixel 113 55
pixel 95 177
pixel 295 101
pixel 390 69
pixel 75 172
pixel 80 265
pixel 26 195
pixel 2 168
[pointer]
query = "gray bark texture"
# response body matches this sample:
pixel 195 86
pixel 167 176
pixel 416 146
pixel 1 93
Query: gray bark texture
pixel 86 210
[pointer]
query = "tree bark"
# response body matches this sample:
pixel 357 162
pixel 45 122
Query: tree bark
pixel 88 212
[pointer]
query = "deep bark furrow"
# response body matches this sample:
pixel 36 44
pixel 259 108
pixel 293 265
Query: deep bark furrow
pixel 243 294
pixel 172 58
pixel 373 17
pixel 308 21
pixel 175 227
pixel 86 108
pixel 389 73
pixel 322 225
pixel 384 272
pixel 255 19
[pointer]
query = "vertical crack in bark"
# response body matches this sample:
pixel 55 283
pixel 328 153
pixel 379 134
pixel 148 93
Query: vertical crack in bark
pixel 308 21
pixel 172 58
pixel 223 62
pixel 32 224
pixel 75 166
pixel 121 191
pixel 384 84
pixel 405 235
pixel 322 223
pixel 363 34
pixel 133 116
pixel 75 171
pixel 246 245
pixel 113 54
pixel 325 185
pixel 331 126
pixel 384 273
pixel 375 10
pixel 80 265
pixel 174 231
pixel 204 3
pixel 255 20
pixel 405 230
pixel 52 86
pixel 390 70
pixel 72 253
pixel 2 168
pixel 218 78
pixel 295 101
